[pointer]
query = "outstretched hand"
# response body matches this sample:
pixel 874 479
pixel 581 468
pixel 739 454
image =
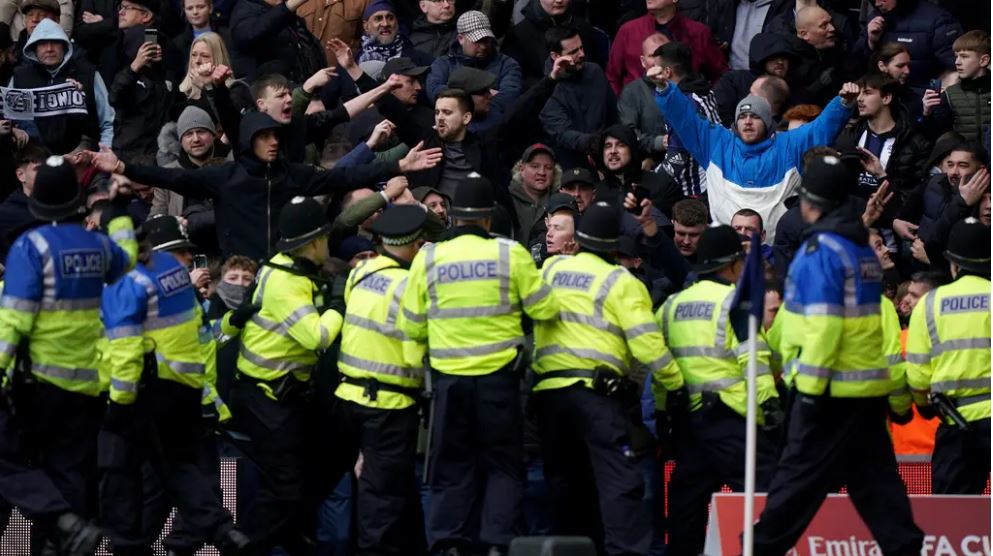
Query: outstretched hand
pixel 420 158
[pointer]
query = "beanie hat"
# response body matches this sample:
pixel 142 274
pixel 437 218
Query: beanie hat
pixel 759 107
pixel 194 117
pixel 378 6
pixel 353 245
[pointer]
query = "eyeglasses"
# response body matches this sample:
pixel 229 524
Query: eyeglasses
pixel 125 8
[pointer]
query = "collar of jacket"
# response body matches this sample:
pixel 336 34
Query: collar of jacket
pixel 845 221
pixel 468 230
pixel 400 262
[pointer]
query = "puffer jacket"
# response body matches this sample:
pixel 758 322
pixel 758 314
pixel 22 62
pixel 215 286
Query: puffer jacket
pixel 506 69
pixel 927 30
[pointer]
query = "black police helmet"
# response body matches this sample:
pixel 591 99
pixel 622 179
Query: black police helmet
pixel 719 246
pixel 301 221
pixel 969 245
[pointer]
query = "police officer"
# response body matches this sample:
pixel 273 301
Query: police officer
pixel 49 318
pixel 380 391
pixel 271 401
pixel 948 353
pixel 157 365
pixel 165 233
pixel 465 298
pixel 710 441
pixel 832 343
pixel 583 365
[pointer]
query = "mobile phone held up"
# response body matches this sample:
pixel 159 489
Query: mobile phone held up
pixel 199 261
pixel 640 194
pixel 152 36
pixel 934 85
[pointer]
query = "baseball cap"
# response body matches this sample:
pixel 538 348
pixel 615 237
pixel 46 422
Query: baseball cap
pixel 578 176
pixel 562 201
pixel 535 149
pixel 474 26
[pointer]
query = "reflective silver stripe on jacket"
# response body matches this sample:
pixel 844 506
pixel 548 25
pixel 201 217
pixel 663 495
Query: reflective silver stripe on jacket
pixel 181 367
pixel 969 400
pixel 47 265
pixel 850 298
pixel 665 317
pixel 7 348
pixel 894 359
pixel 959 384
pixel 126 331
pixel 702 351
pixel 640 329
pixel 71 304
pixel 579 318
pixel 124 385
pixel 18 304
pixel 271 364
pixel 582 353
pixel 379 368
pixel 158 323
pixel 127 234
pixel 835 310
pixel 152 301
pixel 472 351
pixel 854 375
pixel 369 324
pixel 65 373
pixel 959 345
pixel 715 385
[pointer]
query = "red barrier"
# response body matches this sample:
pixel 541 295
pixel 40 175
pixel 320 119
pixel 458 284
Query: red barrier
pixel 954 525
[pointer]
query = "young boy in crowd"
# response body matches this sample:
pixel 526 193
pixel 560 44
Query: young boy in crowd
pixel 968 100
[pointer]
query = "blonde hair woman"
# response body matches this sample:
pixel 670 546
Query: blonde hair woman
pixel 206 53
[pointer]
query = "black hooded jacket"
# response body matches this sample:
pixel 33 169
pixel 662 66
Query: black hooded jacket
pixel 142 100
pixel 734 85
pixel 663 190
pixel 248 194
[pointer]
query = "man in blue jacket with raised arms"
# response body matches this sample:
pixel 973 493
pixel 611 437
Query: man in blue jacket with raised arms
pixel 749 166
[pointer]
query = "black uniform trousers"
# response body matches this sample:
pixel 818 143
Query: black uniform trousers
pixel 388 514
pixel 182 537
pixel 476 471
pixel 961 460
pixel 710 453
pixel 595 485
pixel 833 442
pixel 161 442
pixel 48 453
pixel 286 449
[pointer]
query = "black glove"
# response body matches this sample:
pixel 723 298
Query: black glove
pixel 901 418
pixel 927 411
pixel 120 418
pixel 772 411
pixel 240 316
pixel 677 402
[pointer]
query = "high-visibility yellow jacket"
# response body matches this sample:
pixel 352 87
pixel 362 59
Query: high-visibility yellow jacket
pixel 54 279
pixel 465 296
pixel 697 329
pixel 831 336
pixel 948 346
pixel 286 334
pixel 372 347
pixel 605 322
pixel 153 308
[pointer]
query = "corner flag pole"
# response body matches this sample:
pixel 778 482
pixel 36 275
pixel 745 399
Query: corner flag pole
pixel 750 439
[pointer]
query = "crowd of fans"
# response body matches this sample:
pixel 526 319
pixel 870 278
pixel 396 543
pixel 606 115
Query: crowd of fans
pixel 558 103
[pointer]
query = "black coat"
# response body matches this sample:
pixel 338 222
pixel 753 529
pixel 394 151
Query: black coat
pixel 819 74
pixel 663 190
pixel 491 153
pixel 734 85
pixel 262 33
pixel 101 41
pixel 248 194
pixel 525 42
pixel 907 164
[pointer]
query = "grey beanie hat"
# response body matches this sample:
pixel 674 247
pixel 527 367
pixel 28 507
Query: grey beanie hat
pixel 758 106
pixel 193 118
